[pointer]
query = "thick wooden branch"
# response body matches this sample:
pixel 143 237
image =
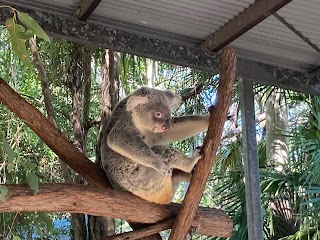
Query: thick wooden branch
pixel 108 202
pixel 211 144
pixel 140 233
pixel 65 150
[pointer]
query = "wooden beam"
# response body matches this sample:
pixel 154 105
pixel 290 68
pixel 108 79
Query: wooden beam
pixel 297 32
pixel 55 140
pixel 210 146
pixel 240 24
pixel 86 9
pixel 76 198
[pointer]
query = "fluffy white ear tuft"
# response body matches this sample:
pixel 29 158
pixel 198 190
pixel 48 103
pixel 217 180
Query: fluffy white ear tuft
pixel 175 100
pixel 134 101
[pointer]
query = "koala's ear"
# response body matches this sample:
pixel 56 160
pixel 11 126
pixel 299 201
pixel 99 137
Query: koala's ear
pixel 174 99
pixel 134 101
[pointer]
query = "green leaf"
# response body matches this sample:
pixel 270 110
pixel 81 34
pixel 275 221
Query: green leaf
pixel 3 192
pixel 17 41
pixel 47 220
pixel 15 237
pixel 26 35
pixel 38 231
pixel 31 24
pixel 29 166
pixel 33 181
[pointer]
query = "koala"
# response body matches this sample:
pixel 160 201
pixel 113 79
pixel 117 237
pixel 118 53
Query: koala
pixel 134 150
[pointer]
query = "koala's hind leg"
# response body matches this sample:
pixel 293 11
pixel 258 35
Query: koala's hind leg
pixel 179 176
pixel 176 159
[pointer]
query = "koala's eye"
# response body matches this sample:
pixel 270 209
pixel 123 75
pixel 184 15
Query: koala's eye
pixel 158 114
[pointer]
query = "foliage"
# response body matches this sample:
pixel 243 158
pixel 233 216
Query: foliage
pixel 20 33
pixel 24 158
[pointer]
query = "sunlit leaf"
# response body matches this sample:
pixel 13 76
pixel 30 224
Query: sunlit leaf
pixel 32 24
pixel 33 181
pixel 3 192
pixel 18 42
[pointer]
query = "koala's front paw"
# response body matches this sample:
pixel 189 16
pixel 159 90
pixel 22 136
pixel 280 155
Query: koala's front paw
pixel 196 154
pixel 162 167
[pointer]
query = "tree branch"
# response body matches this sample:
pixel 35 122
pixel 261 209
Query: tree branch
pixel 210 146
pixel 47 98
pixel 192 92
pixel 140 233
pixel 65 150
pixel 76 198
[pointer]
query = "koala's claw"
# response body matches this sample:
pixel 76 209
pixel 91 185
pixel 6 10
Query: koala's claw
pixel 196 154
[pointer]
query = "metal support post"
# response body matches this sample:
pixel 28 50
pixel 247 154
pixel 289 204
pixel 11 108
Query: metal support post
pixel 251 162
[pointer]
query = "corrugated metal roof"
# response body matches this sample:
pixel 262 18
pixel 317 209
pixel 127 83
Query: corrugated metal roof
pixel 195 19
pixel 190 22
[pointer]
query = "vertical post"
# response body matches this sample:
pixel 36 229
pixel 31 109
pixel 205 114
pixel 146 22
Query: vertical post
pixel 251 163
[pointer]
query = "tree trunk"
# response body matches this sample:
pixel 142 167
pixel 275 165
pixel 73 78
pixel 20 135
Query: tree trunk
pixel 152 71
pixel 47 98
pixel 76 83
pixel 105 226
pixel 277 128
pixel 277 147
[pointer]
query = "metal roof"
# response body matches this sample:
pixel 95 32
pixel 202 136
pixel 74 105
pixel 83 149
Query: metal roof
pixel 190 22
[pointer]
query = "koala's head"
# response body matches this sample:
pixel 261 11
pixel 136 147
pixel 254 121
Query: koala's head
pixel 151 108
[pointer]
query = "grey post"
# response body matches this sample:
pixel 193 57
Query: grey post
pixel 251 162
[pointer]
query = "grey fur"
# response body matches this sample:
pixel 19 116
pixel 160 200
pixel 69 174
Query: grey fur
pixel 135 157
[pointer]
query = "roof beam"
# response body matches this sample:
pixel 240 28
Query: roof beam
pixel 86 8
pixel 100 36
pixel 298 33
pixel 240 24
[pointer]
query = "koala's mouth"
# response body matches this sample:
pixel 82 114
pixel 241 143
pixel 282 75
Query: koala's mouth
pixel 160 129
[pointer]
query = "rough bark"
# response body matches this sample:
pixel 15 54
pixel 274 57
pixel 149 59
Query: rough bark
pixel 77 77
pixel 87 52
pixel 210 146
pixel 77 198
pixel 105 226
pixel 47 98
pixel 138 234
